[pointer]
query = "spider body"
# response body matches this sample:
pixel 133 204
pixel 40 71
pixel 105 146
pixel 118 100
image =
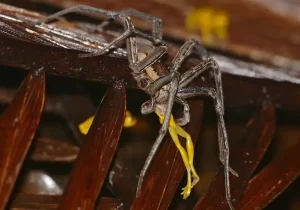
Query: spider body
pixel 146 80
pixel 165 85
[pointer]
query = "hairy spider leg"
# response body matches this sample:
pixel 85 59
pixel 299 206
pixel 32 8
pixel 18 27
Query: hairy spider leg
pixel 186 78
pixel 173 88
pixel 187 155
pixel 200 91
pixel 185 50
pixel 189 76
pixel 129 34
pixel 156 22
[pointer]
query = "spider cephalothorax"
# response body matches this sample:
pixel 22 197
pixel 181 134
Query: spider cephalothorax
pixel 166 85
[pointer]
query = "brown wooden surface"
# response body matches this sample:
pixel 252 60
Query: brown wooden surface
pixel 96 153
pixel 65 62
pixel 67 106
pixel 244 160
pixel 49 150
pixel 270 182
pixel 17 128
pixel 51 202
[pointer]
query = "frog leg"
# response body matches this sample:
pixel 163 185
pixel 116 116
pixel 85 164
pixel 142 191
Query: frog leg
pixel 187 189
pixel 190 151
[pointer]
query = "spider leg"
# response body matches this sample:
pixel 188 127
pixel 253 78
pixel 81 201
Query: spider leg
pixel 224 145
pixel 129 34
pixel 194 72
pixel 187 77
pixel 156 33
pixel 185 50
pixel 156 22
pixel 217 95
pixel 162 132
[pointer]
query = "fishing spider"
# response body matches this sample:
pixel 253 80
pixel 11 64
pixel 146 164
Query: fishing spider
pixel 166 86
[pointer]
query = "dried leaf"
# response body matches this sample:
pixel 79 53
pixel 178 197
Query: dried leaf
pixel 272 180
pixel 17 128
pixel 50 150
pixel 96 153
pixel 244 160
pixel 71 109
pixel 67 106
pixel 64 62
pixel 51 202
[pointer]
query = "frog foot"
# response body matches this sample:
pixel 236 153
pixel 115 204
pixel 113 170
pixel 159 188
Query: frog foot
pixel 186 191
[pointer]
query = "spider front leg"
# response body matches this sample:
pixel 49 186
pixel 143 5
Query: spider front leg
pixel 155 21
pixel 186 78
pixel 211 92
pixel 189 76
pixel 188 48
pixel 163 130
pixel 129 34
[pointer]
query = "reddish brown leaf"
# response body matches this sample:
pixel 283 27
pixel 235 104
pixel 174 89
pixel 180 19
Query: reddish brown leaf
pixel 46 149
pixel 107 203
pixel 17 128
pixel 244 160
pixel 64 62
pixel 96 153
pixel 272 180
pixel 68 106
pixel 32 202
pixel 167 169
pixel 71 110
pixel 106 70
pixel 51 202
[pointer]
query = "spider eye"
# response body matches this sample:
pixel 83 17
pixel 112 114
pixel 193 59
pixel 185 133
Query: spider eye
pixel 143 83
pixel 147 107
